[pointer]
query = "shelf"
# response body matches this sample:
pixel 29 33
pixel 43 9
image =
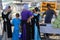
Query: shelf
pixel 44 5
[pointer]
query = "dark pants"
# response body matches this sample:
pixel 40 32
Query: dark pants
pixel 7 28
pixel 26 30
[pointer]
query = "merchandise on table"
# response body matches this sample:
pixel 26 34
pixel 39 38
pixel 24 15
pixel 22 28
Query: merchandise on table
pixel 56 23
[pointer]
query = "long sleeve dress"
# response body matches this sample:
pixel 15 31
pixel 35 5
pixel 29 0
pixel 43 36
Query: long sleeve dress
pixel 16 23
pixel 7 24
pixel 26 30
pixel 36 27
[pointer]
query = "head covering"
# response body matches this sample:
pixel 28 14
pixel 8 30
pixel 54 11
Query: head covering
pixel 5 10
pixel 6 7
pixel 25 6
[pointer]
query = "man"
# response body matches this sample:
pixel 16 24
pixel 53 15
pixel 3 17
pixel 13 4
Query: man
pixel 49 15
pixel 26 16
pixel 6 15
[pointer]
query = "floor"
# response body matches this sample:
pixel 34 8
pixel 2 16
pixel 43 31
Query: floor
pixel 51 38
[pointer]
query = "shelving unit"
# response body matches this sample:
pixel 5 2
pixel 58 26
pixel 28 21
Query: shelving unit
pixel 44 7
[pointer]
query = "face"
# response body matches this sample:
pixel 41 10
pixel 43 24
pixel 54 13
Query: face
pixel 9 9
pixel 49 7
pixel 34 11
pixel 17 15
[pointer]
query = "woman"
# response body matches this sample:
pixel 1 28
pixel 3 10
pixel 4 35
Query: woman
pixel 35 25
pixel 6 15
pixel 26 16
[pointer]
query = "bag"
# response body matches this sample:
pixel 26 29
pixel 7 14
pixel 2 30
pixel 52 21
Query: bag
pixel 20 35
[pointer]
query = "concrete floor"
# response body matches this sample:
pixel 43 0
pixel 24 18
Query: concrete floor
pixel 54 37
pixel 51 38
pixel 4 37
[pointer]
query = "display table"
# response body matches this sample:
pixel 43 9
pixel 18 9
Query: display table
pixel 49 29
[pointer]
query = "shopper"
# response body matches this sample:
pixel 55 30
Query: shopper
pixel 35 23
pixel 26 16
pixel 6 15
pixel 49 15
pixel 16 23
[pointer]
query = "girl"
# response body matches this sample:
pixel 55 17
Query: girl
pixel 16 23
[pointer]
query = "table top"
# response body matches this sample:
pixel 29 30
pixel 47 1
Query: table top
pixel 49 29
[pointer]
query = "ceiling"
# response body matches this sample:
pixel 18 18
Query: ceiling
pixel 29 0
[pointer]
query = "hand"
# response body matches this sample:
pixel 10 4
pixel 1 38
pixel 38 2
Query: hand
pixel 55 16
pixel 28 20
pixel 42 16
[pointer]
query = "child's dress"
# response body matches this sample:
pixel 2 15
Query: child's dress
pixel 16 24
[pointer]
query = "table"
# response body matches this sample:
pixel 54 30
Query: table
pixel 49 29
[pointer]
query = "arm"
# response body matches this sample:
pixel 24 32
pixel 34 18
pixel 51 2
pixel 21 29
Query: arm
pixel 30 17
pixel 10 15
pixel 2 16
pixel 39 17
pixel 12 22
pixel 55 13
pixel 43 14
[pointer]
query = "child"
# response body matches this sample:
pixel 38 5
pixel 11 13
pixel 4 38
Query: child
pixel 16 23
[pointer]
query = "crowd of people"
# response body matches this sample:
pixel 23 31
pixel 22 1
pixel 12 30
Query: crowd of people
pixel 29 20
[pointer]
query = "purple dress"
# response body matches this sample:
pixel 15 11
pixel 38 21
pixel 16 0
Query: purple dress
pixel 25 26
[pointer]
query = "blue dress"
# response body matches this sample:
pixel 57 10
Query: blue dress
pixel 16 23
pixel 36 35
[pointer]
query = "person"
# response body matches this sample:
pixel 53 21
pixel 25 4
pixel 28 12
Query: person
pixel 26 16
pixel 35 24
pixel 49 15
pixel 6 16
pixel 16 23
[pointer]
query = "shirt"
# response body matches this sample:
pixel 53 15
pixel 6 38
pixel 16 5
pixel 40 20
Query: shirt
pixel 26 14
pixel 49 16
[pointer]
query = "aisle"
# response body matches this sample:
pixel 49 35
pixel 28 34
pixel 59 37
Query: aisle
pixel 5 37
